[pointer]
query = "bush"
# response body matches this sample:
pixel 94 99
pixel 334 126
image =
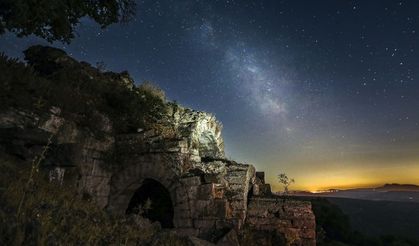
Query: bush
pixel 147 88
pixel 51 78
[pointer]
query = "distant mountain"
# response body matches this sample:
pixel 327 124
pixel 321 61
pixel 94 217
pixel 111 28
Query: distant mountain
pixel 387 192
pixel 398 187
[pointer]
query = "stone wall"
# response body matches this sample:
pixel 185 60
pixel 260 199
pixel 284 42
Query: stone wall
pixel 293 220
pixel 211 195
pixel 73 150
pixel 213 198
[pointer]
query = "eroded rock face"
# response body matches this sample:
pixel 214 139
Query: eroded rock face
pixel 213 198
pixel 75 156
pixel 201 131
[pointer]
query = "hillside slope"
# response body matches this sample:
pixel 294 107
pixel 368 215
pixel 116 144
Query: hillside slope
pixel 377 218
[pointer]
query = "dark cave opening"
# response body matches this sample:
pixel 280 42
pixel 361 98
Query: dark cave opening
pixel 161 207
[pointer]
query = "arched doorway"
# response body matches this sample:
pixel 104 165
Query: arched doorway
pixel 161 206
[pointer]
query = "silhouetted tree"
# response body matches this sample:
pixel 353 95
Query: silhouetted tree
pixel 285 181
pixel 55 20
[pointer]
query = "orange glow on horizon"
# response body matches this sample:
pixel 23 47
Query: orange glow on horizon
pixel 351 178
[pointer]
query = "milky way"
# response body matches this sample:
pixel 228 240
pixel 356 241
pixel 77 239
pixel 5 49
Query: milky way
pixel 256 80
pixel 262 85
pixel 326 91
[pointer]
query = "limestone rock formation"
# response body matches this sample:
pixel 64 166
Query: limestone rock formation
pixel 193 188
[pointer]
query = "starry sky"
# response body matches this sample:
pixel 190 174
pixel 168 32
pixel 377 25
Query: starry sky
pixel 326 91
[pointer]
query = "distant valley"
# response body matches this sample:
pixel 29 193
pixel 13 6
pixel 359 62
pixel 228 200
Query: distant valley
pixel 387 192
pixel 378 218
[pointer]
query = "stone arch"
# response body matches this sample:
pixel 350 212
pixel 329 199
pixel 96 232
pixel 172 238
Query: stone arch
pixel 126 182
pixel 153 200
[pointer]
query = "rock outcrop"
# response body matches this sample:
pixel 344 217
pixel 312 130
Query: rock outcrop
pixel 208 196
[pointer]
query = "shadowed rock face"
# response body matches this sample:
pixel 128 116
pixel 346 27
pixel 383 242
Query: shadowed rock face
pixel 191 184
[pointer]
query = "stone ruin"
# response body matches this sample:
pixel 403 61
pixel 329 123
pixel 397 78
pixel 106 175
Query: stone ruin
pixel 210 195
pixel 193 188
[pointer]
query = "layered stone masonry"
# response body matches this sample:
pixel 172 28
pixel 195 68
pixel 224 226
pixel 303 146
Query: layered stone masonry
pixel 220 194
pixel 210 194
pixel 292 219
pixel 213 197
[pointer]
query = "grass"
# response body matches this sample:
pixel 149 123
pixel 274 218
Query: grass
pixel 82 92
pixel 36 211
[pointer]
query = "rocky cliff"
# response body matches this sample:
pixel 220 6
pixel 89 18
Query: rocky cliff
pixel 125 146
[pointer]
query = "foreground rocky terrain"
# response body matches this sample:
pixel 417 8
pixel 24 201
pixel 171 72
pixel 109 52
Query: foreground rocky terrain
pixel 129 152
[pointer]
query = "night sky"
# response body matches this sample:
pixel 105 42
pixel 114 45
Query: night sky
pixel 326 91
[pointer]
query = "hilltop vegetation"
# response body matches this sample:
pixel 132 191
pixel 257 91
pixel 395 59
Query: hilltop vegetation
pixel 82 92
pixel 34 210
